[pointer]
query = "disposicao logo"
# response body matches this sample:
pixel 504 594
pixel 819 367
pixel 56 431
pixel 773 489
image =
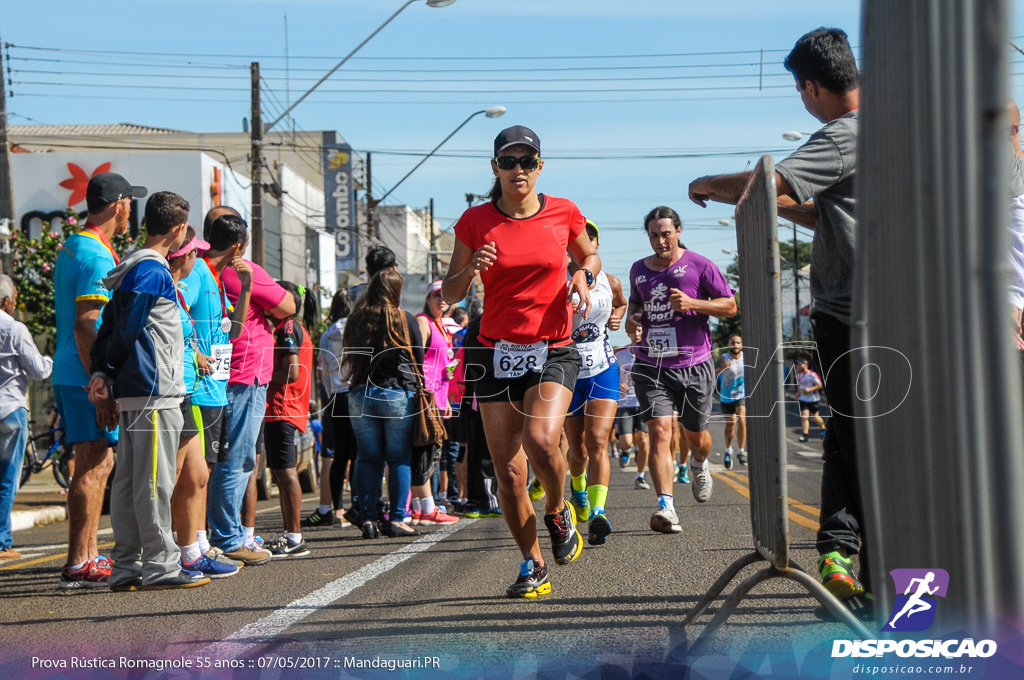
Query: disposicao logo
pixel 914 611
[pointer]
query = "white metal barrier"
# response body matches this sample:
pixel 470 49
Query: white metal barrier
pixel 760 275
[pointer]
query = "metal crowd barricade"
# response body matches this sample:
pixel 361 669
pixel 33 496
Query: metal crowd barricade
pixel 760 285
pixel 941 438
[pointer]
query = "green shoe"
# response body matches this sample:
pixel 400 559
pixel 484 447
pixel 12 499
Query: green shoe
pixel 837 576
pixel 535 490
pixel 581 504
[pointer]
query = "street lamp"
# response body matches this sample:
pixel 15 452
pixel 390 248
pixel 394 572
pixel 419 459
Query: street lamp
pixel 372 203
pixel 258 128
pixel 430 3
pixel 492 112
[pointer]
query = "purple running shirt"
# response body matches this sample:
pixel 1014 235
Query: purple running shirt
pixel 673 339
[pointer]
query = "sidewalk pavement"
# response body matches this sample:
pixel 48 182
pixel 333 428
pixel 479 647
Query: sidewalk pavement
pixel 40 501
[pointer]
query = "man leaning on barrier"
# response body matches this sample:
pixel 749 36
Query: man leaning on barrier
pixel 815 186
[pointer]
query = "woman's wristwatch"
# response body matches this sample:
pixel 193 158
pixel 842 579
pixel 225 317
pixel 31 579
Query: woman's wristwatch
pixel 590 277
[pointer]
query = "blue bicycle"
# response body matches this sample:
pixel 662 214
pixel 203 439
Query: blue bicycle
pixel 57 456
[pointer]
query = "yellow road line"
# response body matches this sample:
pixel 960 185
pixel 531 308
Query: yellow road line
pixel 812 512
pixel 745 492
pixel 48 558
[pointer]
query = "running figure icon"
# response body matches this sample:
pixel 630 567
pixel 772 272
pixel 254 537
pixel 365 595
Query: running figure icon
pixel 916 604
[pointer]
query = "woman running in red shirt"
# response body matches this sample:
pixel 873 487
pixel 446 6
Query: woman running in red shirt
pixel 517 243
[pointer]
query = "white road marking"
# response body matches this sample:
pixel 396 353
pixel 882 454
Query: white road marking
pixel 259 632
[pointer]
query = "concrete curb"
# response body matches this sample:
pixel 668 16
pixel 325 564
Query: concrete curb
pixel 26 519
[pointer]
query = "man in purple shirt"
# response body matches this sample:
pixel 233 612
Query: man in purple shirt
pixel 673 292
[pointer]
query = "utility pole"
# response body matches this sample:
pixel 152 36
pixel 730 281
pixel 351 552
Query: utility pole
pixel 371 206
pixel 6 188
pixel 434 264
pixel 256 166
pixel 796 283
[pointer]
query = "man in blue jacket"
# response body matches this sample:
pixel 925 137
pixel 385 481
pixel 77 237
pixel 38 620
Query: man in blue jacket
pixel 138 360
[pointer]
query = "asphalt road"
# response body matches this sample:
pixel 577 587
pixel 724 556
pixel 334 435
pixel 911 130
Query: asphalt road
pixel 438 600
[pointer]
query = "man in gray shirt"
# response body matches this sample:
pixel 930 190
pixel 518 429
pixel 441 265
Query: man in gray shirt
pixel 19 361
pixel 815 186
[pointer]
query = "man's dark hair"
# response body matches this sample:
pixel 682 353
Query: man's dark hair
pixel 226 231
pixel 824 56
pixel 212 215
pixel 96 205
pixel 379 258
pixel 164 211
pixel 660 213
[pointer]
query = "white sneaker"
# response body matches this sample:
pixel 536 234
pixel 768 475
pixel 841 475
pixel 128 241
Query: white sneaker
pixel 701 484
pixel 641 483
pixel 666 521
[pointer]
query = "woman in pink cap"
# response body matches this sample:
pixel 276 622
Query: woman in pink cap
pixel 438 353
pixel 188 503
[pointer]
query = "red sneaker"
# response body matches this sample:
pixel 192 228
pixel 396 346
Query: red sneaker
pixel 416 517
pixel 93 575
pixel 438 517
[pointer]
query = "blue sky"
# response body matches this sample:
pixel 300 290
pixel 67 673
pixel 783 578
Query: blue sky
pixel 607 85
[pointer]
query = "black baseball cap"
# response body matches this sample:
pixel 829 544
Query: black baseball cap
pixel 108 187
pixel 517 134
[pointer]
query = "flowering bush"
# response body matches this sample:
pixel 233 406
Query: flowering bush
pixel 32 271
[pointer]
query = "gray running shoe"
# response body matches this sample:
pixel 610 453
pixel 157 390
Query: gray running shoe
pixel 701 485
pixel 666 522
pixel 641 483
pixel 217 555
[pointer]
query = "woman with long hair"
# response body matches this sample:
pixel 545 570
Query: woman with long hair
pixel 382 342
pixel 517 244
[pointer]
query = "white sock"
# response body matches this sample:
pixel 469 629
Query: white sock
pixel 80 565
pixel 250 535
pixel 204 542
pixel 293 539
pixel 742 451
pixel 442 497
pixel 427 505
pixel 415 505
pixel 324 510
pixel 190 553
pixel 702 465
pixel 728 450
pixel 639 475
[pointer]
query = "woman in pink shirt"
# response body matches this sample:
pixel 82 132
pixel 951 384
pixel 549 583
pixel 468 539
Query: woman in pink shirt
pixel 437 343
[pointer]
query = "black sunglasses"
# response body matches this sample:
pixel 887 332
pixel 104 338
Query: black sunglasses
pixel 527 163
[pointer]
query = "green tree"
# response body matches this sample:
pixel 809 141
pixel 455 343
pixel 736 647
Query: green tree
pixel 32 272
pixel 725 328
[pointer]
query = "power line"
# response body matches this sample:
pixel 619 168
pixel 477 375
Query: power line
pixel 517 57
pixel 344 79
pixel 420 102
pixel 412 91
